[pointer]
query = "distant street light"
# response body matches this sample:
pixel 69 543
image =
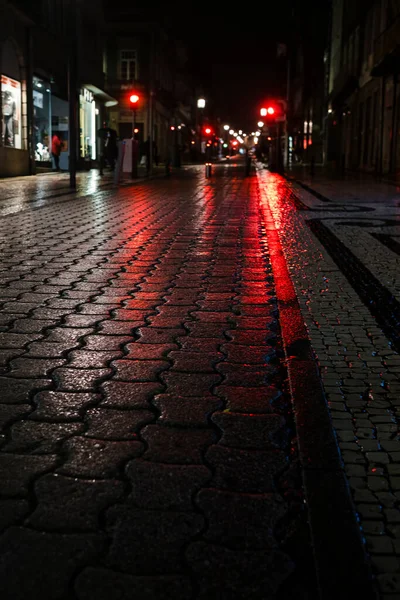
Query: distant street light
pixel 263 112
pixel 226 127
pixel 231 132
pixel 260 124
pixel 201 104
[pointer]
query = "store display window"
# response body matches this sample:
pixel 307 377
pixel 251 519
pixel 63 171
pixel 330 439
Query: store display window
pixel 87 119
pixel 42 120
pixel 11 109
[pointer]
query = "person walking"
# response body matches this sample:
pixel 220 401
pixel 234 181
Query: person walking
pixel 56 145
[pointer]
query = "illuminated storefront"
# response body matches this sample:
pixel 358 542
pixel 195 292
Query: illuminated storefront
pixel 87 122
pixel 42 121
pixel 11 112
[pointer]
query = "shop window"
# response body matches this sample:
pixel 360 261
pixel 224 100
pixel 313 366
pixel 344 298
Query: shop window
pixel 87 121
pixel 128 65
pixel 42 120
pixel 11 133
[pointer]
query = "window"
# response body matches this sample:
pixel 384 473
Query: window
pixel 128 65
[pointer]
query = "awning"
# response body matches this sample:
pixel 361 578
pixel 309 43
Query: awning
pixel 107 99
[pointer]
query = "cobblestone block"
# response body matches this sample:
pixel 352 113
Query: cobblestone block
pixel 40 438
pixel 250 431
pixel 180 298
pixel 253 322
pixel 79 380
pixel 249 399
pixel 246 375
pixel 62 406
pixel 17 471
pixel 201 345
pixel 34 367
pixel 206 330
pixel 70 335
pixel 109 424
pixel 12 511
pixel 112 327
pixel 106 342
pixel 248 355
pixel 84 321
pixel 189 384
pixel 19 391
pixel 17 340
pixel 47 350
pixel 224 573
pixel 19 307
pixel 379 544
pixel 149 351
pixel 162 534
pixel 255 517
pixel 165 487
pixel 175 445
pixel 215 306
pixel 213 317
pixel 153 335
pixel 123 395
pixel 248 471
pixel 12 412
pixel 66 504
pixel 109 585
pixel 189 411
pixel 246 337
pixel 40 565
pixel 90 359
pixel 389 583
pixel 31 325
pixel 96 309
pixel 97 459
pixel 167 322
pixel 194 362
pixel 139 370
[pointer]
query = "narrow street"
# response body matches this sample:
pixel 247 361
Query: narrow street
pixel 199 382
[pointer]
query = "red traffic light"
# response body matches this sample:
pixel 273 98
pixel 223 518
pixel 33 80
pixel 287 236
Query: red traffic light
pixel 208 130
pixel 269 111
pixel 134 99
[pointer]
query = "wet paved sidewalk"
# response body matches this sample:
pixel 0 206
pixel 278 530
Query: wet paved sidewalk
pixel 24 193
pixel 341 241
pixel 148 447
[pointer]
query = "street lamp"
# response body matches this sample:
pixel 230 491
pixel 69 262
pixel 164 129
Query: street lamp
pixel 226 127
pixel 134 101
pixel 201 104
pixel 260 124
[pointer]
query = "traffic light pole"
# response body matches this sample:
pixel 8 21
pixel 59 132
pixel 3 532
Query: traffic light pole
pixel 72 94
pixel 134 173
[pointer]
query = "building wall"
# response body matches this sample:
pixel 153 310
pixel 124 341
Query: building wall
pixel 14 146
pixel 365 124
pixel 157 82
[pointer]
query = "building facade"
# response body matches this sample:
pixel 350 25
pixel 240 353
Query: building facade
pixel 304 56
pixel 363 94
pixel 36 42
pixel 141 57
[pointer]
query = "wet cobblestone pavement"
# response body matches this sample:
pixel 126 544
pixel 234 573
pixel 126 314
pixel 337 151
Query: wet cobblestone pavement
pixel 341 245
pixel 148 447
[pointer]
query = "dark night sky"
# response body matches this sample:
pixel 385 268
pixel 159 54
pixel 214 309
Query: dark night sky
pixel 234 51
